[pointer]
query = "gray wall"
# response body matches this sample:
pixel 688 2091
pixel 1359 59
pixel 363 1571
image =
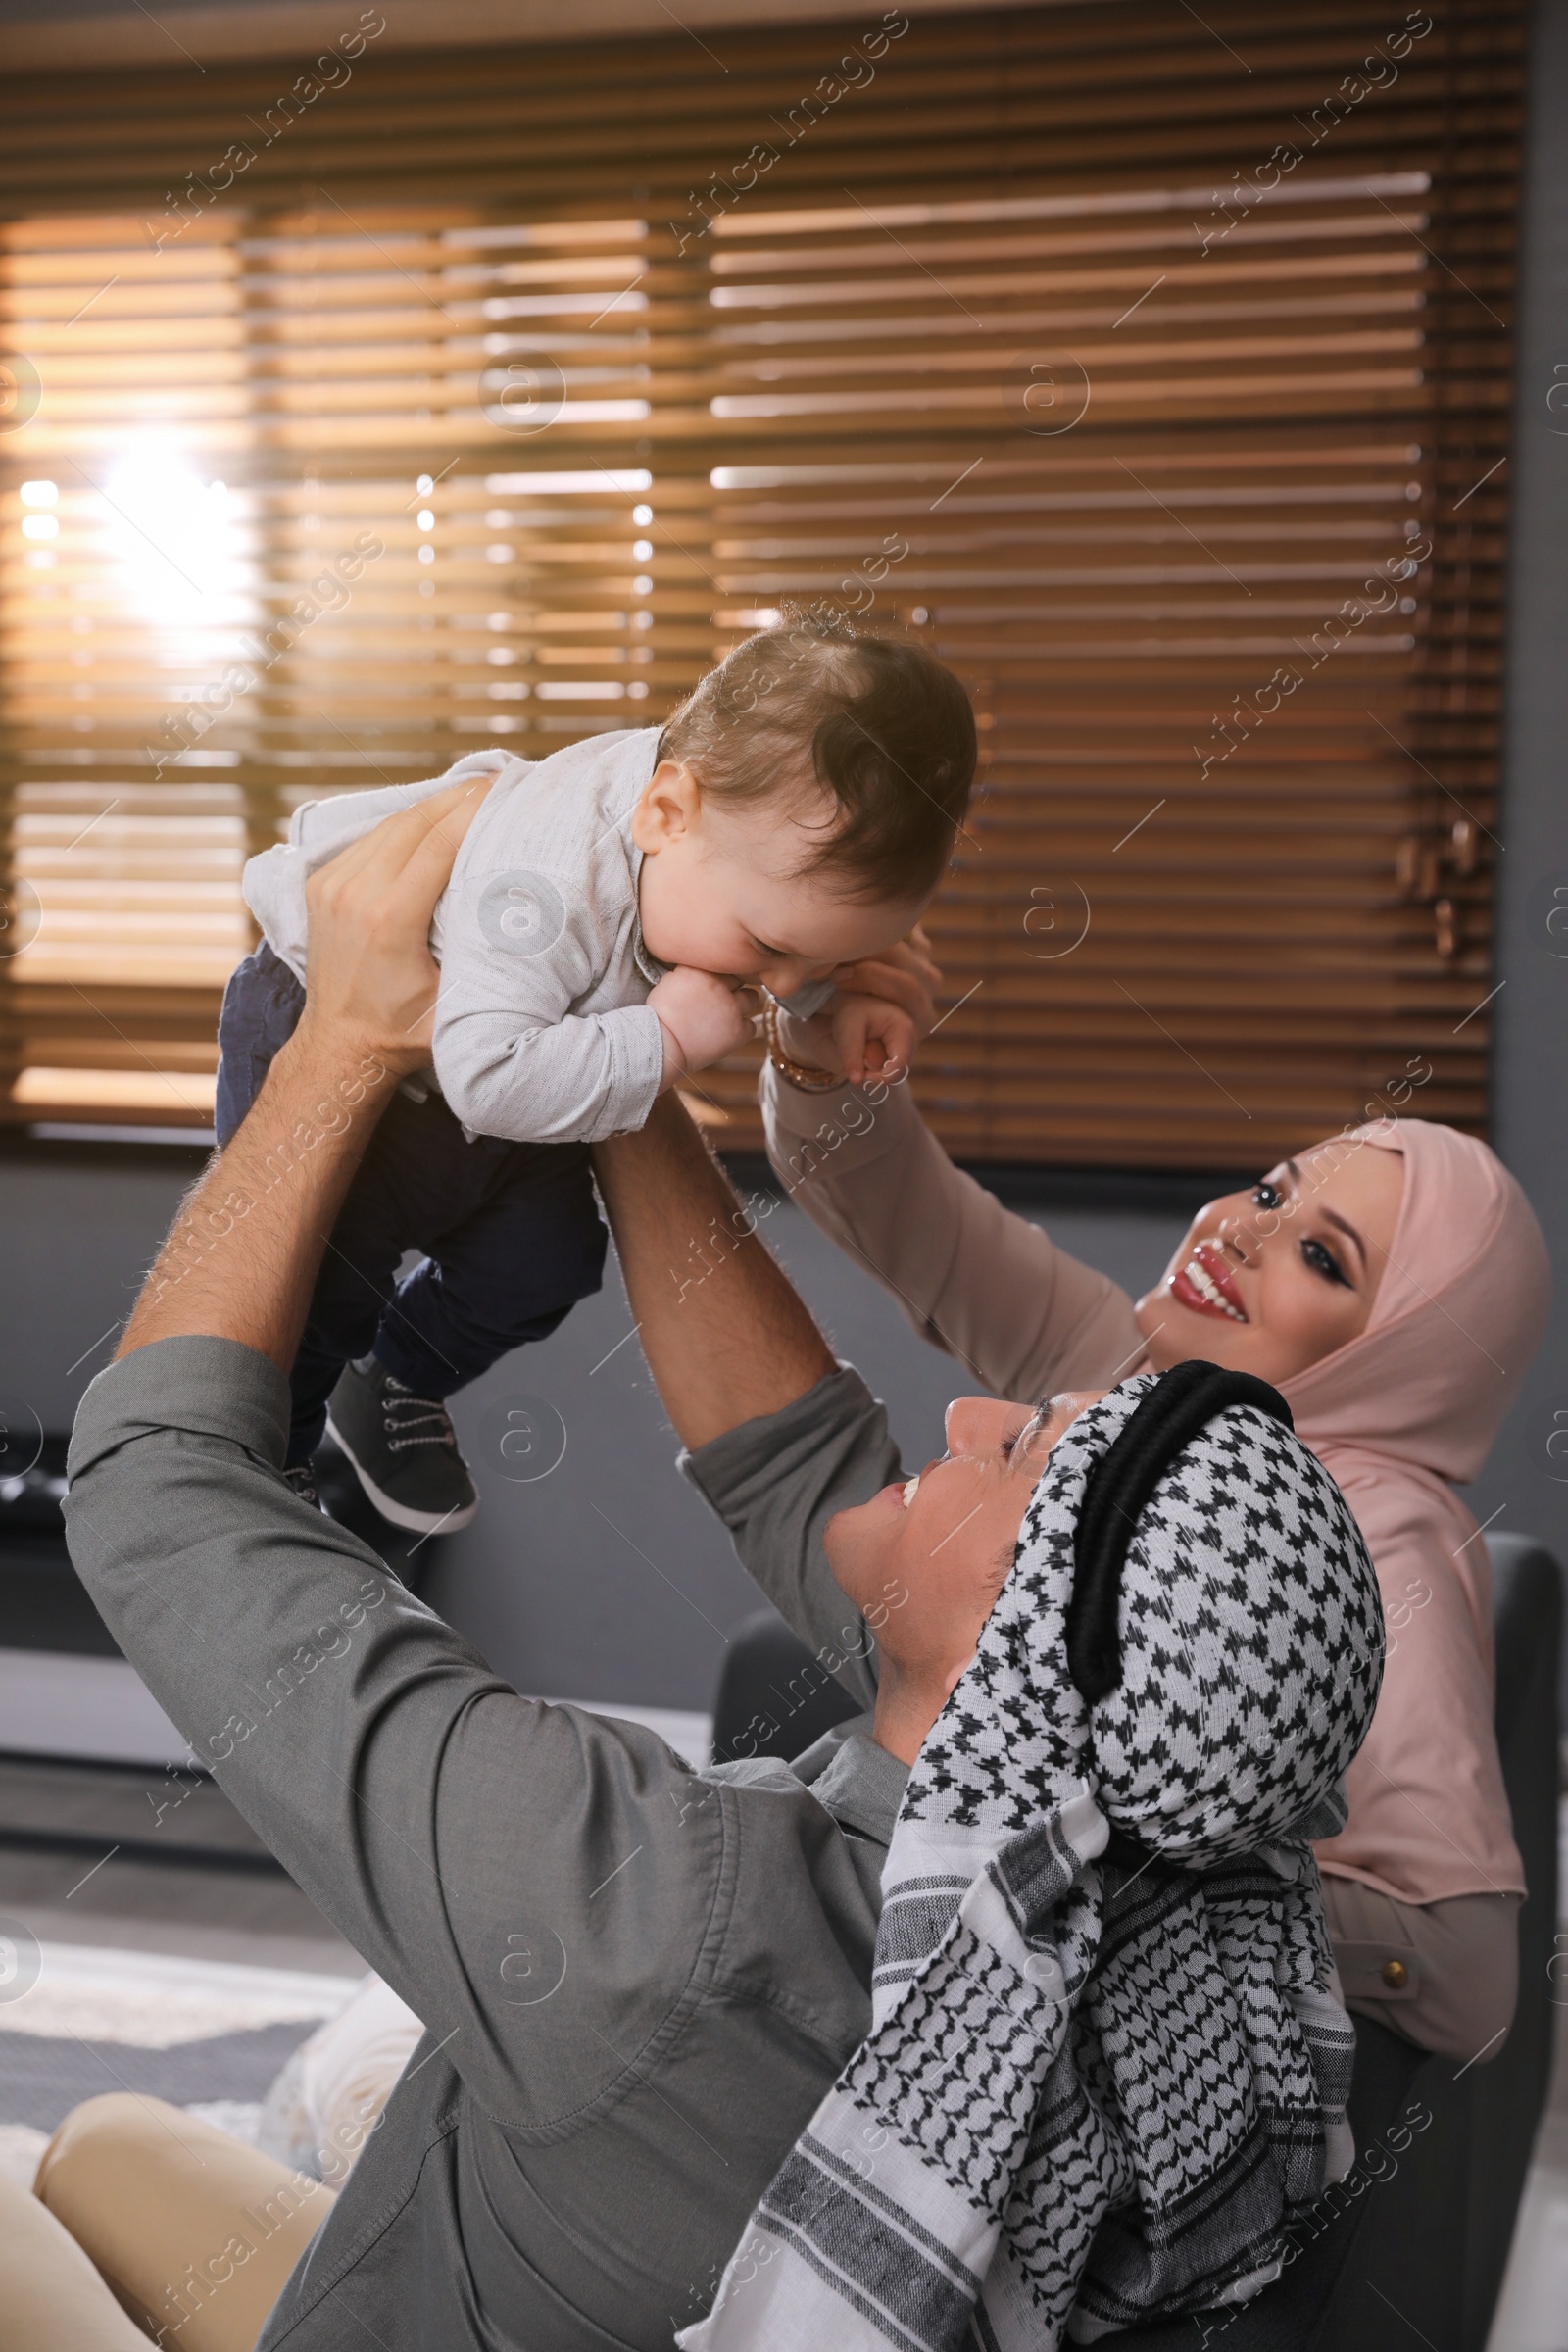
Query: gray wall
pixel 78 1235
pixel 1527 1477
pixel 607 1578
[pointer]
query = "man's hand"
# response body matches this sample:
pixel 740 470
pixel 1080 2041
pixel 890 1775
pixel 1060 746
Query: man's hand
pixel 725 1336
pixel 370 974
pixel 906 977
pixel 704 1016
pixel 241 1258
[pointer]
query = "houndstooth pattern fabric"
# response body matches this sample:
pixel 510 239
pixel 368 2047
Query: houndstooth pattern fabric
pixel 1093 2092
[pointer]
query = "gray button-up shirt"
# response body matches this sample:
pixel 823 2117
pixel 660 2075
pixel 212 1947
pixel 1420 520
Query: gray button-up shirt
pixel 637 1981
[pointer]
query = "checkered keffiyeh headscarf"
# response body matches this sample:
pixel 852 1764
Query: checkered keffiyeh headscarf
pixel 1106 2061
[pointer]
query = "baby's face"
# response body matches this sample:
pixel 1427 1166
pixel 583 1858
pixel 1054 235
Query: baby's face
pixel 721 891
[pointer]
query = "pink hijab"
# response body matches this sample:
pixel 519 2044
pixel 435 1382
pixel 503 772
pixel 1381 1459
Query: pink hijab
pixel 1410 1407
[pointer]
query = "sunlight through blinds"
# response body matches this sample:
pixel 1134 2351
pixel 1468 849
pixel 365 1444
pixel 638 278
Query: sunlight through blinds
pixel 1153 371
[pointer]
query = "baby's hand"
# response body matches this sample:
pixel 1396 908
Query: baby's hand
pixel 874 1038
pixel 704 1018
pixel 905 976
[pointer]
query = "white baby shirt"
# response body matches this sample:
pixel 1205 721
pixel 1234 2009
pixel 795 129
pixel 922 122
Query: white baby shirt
pixel 543 1031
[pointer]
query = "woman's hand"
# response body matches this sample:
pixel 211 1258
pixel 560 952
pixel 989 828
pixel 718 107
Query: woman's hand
pixel 370 975
pixel 905 976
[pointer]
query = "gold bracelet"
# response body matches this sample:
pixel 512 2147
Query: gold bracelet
pixel 809 1080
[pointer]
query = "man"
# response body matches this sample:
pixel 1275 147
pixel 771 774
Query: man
pixel 637 1984
pixel 640 1986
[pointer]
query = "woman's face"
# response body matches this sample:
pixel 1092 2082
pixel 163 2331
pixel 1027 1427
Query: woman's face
pixel 1272 1280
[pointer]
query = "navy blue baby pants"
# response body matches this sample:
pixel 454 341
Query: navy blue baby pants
pixel 512 1232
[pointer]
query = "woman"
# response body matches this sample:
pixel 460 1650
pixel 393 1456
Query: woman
pixel 1392 1282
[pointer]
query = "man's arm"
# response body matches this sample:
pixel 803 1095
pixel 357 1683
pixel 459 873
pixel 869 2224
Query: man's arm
pixel 451 1831
pixel 455 1832
pixel 241 1259
pixel 724 1347
pixel 781 1439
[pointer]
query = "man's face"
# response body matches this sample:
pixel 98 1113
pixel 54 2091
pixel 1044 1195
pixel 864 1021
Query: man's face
pixel 924 1561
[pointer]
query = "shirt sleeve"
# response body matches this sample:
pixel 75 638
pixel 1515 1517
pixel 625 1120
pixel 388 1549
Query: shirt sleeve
pixel 454 1831
pixel 514 1061
pixel 776 1482
pixel 274 881
pixel 973 1277
pixel 537 914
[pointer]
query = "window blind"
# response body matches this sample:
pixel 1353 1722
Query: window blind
pixel 1153 369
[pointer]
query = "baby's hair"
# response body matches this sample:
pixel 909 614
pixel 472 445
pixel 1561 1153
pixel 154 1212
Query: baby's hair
pixel 879 722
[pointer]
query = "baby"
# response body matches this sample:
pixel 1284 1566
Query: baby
pixel 792 818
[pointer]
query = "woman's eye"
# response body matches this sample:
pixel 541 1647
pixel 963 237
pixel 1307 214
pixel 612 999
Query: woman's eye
pixel 1323 1261
pixel 1266 1195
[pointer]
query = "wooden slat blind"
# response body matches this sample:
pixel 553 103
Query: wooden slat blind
pixel 1153 369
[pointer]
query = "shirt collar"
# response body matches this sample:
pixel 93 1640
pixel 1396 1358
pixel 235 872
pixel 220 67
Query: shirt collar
pixel 858 1783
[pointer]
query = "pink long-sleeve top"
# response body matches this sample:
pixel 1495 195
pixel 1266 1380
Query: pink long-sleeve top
pixel 1398 1416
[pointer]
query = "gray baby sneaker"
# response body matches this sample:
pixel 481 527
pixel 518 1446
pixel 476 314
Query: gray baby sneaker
pixel 403 1450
